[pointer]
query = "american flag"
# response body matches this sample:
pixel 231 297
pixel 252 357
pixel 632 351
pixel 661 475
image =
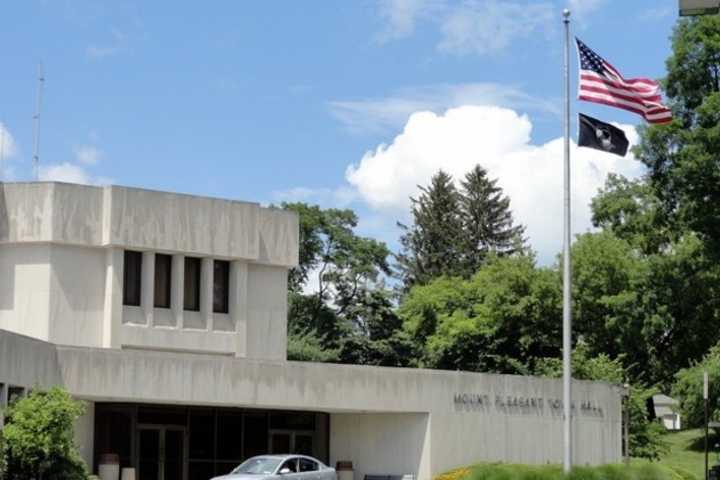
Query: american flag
pixel 600 82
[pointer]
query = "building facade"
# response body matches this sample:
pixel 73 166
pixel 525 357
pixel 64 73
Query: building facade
pixel 167 313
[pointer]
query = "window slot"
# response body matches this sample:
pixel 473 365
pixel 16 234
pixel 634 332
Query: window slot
pixel 163 280
pixel 221 286
pixel 132 278
pixel 192 284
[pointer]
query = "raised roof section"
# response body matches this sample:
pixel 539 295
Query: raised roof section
pixel 147 220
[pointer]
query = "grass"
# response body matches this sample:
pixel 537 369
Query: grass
pixel 499 471
pixel 685 460
pixel 687 456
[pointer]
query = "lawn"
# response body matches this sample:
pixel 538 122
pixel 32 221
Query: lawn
pixel 685 460
pixel 686 455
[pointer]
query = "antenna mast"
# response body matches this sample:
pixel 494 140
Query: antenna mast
pixel 36 118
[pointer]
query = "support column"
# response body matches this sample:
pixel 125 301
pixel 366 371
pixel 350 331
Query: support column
pixel 113 307
pixel 178 289
pixel 238 304
pixel 206 293
pixel 147 294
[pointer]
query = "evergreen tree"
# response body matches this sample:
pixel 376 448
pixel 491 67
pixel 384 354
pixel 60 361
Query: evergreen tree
pixel 432 245
pixel 487 221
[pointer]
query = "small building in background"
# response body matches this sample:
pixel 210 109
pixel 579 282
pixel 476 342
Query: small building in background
pixel 666 411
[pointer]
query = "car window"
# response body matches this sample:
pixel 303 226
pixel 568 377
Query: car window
pixel 258 466
pixel 291 465
pixel 307 465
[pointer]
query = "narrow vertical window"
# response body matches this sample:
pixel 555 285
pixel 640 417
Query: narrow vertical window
pixel 132 278
pixel 192 283
pixel 221 286
pixel 163 278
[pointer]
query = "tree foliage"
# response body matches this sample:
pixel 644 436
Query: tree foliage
pixel 688 389
pixel 431 246
pixel 38 437
pixel 348 315
pixel 499 320
pixel 487 221
pixel 682 157
pixel 650 290
pixel 454 232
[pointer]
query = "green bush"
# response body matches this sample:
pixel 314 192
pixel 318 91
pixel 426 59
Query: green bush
pixel 554 472
pixel 38 440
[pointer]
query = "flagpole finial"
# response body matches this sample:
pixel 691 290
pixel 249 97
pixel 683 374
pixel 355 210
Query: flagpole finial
pixel 566 14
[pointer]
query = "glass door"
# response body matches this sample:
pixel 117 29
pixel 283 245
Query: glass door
pixel 161 453
pixel 280 442
pixel 291 441
pixel 174 454
pixel 149 454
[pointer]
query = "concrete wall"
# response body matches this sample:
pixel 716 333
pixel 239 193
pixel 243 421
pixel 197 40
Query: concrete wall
pixel 61 251
pixel 266 313
pixel 506 427
pixel 147 220
pixel 25 289
pixel 383 443
pixel 384 420
pixel 77 287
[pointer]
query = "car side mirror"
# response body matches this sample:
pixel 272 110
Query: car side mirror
pixel 284 471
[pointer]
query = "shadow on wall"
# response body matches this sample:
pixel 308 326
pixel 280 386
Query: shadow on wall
pixel 4 221
pixel 7 293
pixel 393 444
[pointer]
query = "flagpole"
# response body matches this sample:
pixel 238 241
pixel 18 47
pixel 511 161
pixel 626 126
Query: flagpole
pixel 567 299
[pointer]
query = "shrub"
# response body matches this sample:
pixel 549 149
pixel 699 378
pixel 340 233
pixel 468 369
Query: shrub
pixel 554 472
pixel 38 437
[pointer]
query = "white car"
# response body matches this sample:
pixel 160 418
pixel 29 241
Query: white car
pixel 287 467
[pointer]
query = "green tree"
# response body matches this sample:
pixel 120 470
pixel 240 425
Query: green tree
pixel 499 320
pixel 608 283
pixel 646 436
pixel 487 220
pixel 585 366
pixel 351 302
pixel 38 437
pixel 682 157
pixel 431 246
pixel 688 389
pixel 651 310
pixel 630 210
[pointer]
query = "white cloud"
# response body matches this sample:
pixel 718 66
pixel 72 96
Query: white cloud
pixel 472 26
pixel 87 154
pixel 72 173
pixel 488 26
pixel 376 115
pixel 581 8
pixel 116 45
pixel 401 16
pixel 499 140
pixel 8 149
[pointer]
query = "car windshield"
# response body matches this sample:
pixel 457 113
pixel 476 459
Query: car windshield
pixel 258 466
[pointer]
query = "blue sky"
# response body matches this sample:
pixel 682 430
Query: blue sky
pixel 346 104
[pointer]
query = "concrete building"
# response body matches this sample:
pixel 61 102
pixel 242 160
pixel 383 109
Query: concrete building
pixel 167 313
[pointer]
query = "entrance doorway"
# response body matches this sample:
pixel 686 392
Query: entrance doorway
pixel 162 453
pixel 291 441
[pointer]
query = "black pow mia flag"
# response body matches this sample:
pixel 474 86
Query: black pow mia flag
pixel 601 136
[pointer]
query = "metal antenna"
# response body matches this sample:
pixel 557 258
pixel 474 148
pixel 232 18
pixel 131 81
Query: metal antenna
pixel 36 118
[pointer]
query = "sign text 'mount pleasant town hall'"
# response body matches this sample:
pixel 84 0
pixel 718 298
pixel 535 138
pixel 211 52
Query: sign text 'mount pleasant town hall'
pixel 521 405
